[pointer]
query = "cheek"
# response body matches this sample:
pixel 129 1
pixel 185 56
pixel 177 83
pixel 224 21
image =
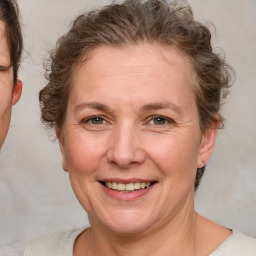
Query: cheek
pixel 83 153
pixel 5 110
pixel 174 155
pixel 5 99
pixel 5 117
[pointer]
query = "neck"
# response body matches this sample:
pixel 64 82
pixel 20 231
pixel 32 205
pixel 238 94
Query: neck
pixel 174 238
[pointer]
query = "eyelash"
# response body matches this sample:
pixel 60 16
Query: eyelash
pixel 90 119
pixel 101 119
pixel 3 68
pixel 163 118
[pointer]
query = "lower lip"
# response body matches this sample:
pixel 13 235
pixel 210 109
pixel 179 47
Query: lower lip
pixel 126 196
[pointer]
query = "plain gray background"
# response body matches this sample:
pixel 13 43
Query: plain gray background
pixel 35 195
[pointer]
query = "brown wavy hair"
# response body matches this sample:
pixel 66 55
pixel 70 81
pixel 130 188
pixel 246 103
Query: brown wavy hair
pixel 9 14
pixel 131 23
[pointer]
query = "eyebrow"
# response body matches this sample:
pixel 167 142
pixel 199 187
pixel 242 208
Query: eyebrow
pixel 94 105
pixel 161 105
pixel 152 106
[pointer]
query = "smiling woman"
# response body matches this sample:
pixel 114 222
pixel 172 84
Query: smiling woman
pixel 134 96
pixel 130 146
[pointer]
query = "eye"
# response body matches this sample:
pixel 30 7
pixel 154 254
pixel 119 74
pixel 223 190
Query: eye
pixel 3 68
pixel 95 120
pixel 160 120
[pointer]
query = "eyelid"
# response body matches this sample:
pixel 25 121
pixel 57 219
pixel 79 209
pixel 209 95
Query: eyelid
pixel 88 123
pixel 4 68
pixel 168 119
pixel 149 119
pixel 89 118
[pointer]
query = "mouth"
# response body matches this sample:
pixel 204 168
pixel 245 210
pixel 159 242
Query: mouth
pixel 127 187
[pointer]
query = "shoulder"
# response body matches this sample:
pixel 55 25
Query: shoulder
pixel 57 245
pixel 236 245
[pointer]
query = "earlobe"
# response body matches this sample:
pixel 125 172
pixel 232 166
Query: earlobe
pixel 62 149
pixel 16 92
pixel 206 146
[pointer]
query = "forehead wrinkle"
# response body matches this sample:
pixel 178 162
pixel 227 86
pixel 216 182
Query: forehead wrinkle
pixel 123 71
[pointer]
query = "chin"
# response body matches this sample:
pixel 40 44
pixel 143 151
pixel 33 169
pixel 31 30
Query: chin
pixel 127 222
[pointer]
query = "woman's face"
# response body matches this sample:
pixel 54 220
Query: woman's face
pixel 8 95
pixel 131 139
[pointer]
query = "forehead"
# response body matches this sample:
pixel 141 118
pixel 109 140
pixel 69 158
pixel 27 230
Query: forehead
pixel 143 73
pixel 2 29
pixel 4 48
pixel 145 61
pixel 131 60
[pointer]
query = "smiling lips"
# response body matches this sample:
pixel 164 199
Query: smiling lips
pixel 129 187
pixel 127 190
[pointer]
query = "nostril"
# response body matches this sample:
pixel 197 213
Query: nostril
pixel 121 158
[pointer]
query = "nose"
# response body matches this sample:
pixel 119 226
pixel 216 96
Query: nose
pixel 125 149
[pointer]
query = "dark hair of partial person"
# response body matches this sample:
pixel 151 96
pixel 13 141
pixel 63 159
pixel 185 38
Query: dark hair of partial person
pixel 9 14
pixel 128 24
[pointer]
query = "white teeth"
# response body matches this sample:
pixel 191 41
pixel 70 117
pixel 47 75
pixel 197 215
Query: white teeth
pixel 114 185
pixel 120 186
pixel 127 187
pixel 109 184
pixel 137 185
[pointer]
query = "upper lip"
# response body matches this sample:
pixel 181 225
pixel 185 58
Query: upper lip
pixel 127 181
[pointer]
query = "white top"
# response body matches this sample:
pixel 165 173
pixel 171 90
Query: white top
pixel 237 244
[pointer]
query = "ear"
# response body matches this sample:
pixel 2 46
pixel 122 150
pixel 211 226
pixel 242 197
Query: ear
pixel 16 92
pixel 62 149
pixel 206 147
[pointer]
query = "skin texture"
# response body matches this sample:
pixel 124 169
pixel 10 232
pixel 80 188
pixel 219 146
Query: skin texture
pixel 132 115
pixel 9 92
